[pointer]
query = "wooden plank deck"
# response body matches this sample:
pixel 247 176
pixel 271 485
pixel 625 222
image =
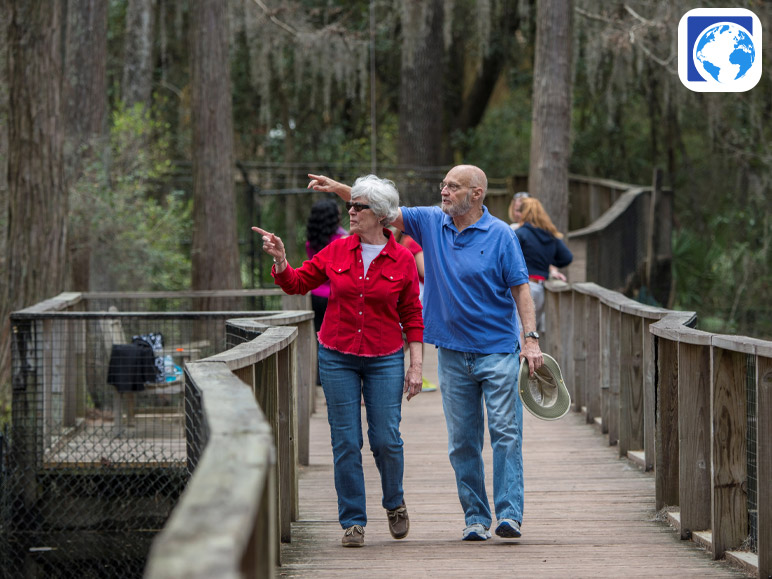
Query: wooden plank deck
pixel 152 441
pixel 587 512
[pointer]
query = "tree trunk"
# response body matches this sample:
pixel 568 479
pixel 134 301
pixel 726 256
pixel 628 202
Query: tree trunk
pixel 473 103
pixel 138 53
pixel 4 87
pixel 85 109
pixel 551 126
pixel 215 259
pixel 5 84
pixel 37 217
pixel 420 93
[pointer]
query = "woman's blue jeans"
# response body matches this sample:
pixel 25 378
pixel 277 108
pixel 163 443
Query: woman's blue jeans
pixel 380 380
pixel 467 381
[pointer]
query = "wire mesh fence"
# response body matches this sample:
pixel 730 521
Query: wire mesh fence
pixel 104 434
pixel 751 456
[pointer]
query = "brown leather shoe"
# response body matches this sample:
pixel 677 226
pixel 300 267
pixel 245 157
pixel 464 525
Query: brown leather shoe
pixel 399 523
pixel 354 536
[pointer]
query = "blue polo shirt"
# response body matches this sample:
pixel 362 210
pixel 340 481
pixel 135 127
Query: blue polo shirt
pixel 468 304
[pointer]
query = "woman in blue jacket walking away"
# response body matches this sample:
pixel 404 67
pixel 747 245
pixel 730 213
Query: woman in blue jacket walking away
pixel 542 246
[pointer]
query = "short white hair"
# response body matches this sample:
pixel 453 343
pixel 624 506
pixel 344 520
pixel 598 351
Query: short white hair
pixel 381 194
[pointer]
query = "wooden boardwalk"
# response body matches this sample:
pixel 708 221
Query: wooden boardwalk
pixel 587 512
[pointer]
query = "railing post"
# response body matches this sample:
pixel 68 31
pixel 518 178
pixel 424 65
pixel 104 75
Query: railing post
pixel 666 474
pixel 730 473
pixel 614 371
pixel 260 559
pixel 605 366
pixel 764 453
pixel 579 333
pixel 694 437
pixel 649 395
pixel 288 419
pixel 267 393
pixel 593 357
pixel 630 384
pixel 247 375
pixel 566 339
pixel 555 310
pixel 306 384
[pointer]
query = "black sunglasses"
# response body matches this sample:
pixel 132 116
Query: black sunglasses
pixel 357 206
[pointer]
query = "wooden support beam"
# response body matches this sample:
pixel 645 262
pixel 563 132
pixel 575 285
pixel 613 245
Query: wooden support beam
pixel 694 437
pixel 593 356
pixel 567 339
pixel 649 370
pixel 579 332
pixel 605 365
pixel 614 351
pixel 630 384
pixel 667 459
pixel 730 472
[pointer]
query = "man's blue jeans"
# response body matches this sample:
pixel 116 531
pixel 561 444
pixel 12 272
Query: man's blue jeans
pixel 380 380
pixel 467 381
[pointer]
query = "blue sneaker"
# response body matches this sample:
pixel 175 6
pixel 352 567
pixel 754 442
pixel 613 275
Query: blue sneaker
pixel 508 529
pixel 476 532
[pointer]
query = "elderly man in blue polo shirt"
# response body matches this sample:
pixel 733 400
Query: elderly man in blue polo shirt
pixel 475 283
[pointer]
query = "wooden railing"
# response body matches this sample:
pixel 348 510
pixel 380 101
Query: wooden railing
pixel 619 233
pixel 247 413
pixel 242 497
pixel 687 404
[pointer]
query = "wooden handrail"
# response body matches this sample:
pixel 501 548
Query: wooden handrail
pixel 230 518
pixel 679 401
pixel 247 425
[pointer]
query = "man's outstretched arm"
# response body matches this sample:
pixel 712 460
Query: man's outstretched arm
pixel 327 185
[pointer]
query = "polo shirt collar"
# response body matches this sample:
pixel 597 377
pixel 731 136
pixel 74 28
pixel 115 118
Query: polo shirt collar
pixel 483 224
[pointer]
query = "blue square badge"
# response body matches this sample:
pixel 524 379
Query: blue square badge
pixel 719 50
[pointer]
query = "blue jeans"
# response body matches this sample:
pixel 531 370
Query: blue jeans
pixel 345 380
pixel 467 381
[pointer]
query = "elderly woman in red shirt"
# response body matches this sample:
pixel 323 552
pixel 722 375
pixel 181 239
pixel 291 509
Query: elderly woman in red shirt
pixel 373 299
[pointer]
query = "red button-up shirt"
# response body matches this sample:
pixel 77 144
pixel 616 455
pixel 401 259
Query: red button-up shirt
pixel 364 312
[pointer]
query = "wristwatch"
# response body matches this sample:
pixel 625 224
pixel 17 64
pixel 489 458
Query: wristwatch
pixel 534 335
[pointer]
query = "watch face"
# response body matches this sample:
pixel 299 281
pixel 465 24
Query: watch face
pixel 534 335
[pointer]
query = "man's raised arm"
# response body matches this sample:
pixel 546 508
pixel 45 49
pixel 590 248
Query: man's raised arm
pixel 327 185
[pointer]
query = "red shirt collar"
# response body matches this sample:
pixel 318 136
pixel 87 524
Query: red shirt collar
pixel 353 243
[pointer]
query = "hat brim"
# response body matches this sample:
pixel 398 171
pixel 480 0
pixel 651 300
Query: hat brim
pixel 545 395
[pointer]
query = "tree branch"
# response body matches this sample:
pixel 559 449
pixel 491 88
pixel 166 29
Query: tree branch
pixel 272 18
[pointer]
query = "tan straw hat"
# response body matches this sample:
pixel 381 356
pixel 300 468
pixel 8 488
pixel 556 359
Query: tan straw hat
pixel 545 394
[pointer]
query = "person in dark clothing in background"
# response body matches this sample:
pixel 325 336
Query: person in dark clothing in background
pixel 322 228
pixel 542 246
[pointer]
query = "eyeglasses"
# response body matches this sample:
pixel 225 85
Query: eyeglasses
pixel 356 206
pixel 452 187
pixel 520 195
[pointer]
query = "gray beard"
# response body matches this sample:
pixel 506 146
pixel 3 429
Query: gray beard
pixel 461 208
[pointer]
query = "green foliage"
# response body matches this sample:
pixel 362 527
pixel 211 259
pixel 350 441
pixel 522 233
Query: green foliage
pixel 630 114
pixel 501 143
pixel 135 228
pixel 694 269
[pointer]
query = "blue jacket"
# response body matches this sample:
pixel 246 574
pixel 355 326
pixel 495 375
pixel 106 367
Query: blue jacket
pixel 541 250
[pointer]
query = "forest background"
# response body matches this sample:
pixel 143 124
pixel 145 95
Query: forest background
pixel 134 134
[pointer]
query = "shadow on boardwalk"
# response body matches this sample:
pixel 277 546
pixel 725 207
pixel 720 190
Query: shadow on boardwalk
pixel 587 512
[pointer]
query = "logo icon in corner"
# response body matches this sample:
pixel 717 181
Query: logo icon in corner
pixel 719 50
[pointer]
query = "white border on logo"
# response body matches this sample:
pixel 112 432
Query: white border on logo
pixel 751 78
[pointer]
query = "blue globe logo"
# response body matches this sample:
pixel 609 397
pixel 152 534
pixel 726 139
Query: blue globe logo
pixel 724 52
